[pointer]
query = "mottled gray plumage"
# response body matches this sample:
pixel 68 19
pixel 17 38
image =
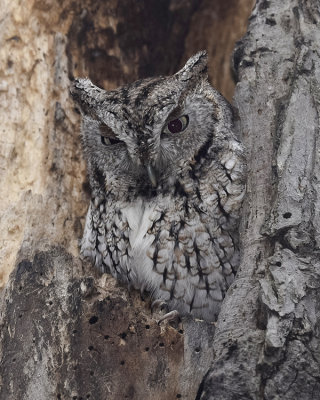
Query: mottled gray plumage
pixel 165 195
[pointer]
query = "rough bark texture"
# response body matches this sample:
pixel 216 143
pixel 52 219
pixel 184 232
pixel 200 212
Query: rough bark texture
pixel 216 26
pixel 267 338
pixel 66 335
pixel 67 332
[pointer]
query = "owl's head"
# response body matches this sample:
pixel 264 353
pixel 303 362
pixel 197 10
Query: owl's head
pixel 145 137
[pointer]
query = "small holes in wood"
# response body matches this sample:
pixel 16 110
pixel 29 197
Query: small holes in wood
pixel 278 264
pixel 93 320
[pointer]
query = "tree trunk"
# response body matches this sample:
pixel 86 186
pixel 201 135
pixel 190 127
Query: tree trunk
pixel 68 332
pixel 266 341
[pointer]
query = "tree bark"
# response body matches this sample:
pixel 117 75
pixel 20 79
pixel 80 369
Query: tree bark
pixel 267 337
pixel 68 332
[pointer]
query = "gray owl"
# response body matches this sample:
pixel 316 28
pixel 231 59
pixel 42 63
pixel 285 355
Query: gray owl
pixel 167 179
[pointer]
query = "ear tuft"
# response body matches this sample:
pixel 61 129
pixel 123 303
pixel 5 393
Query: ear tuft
pixel 195 66
pixel 88 96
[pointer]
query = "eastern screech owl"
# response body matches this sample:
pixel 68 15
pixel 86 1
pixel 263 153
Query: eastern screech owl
pixel 167 179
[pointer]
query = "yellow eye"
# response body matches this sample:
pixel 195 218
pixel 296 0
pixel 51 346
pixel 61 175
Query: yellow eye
pixel 177 125
pixel 108 137
pixel 109 141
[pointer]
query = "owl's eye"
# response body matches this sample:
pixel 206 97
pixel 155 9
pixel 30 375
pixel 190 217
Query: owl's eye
pixel 108 138
pixel 177 125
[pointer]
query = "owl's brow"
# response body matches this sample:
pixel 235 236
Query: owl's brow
pixel 145 91
pixel 161 104
pixel 106 131
pixel 149 116
pixel 165 105
pixel 175 113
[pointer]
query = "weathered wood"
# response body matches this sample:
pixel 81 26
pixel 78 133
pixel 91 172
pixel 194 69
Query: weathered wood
pixel 267 337
pixel 67 335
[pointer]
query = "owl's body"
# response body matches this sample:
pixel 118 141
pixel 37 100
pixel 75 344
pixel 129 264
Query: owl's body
pixel 167 178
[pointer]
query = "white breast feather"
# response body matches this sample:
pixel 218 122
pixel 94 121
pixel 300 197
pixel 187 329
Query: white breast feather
pixel 139 217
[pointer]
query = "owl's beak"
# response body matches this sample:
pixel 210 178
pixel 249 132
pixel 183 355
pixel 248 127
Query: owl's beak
pixel 152 175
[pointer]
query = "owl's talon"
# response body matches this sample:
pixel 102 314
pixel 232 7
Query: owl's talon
pixel 170 316
pixel 159 304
